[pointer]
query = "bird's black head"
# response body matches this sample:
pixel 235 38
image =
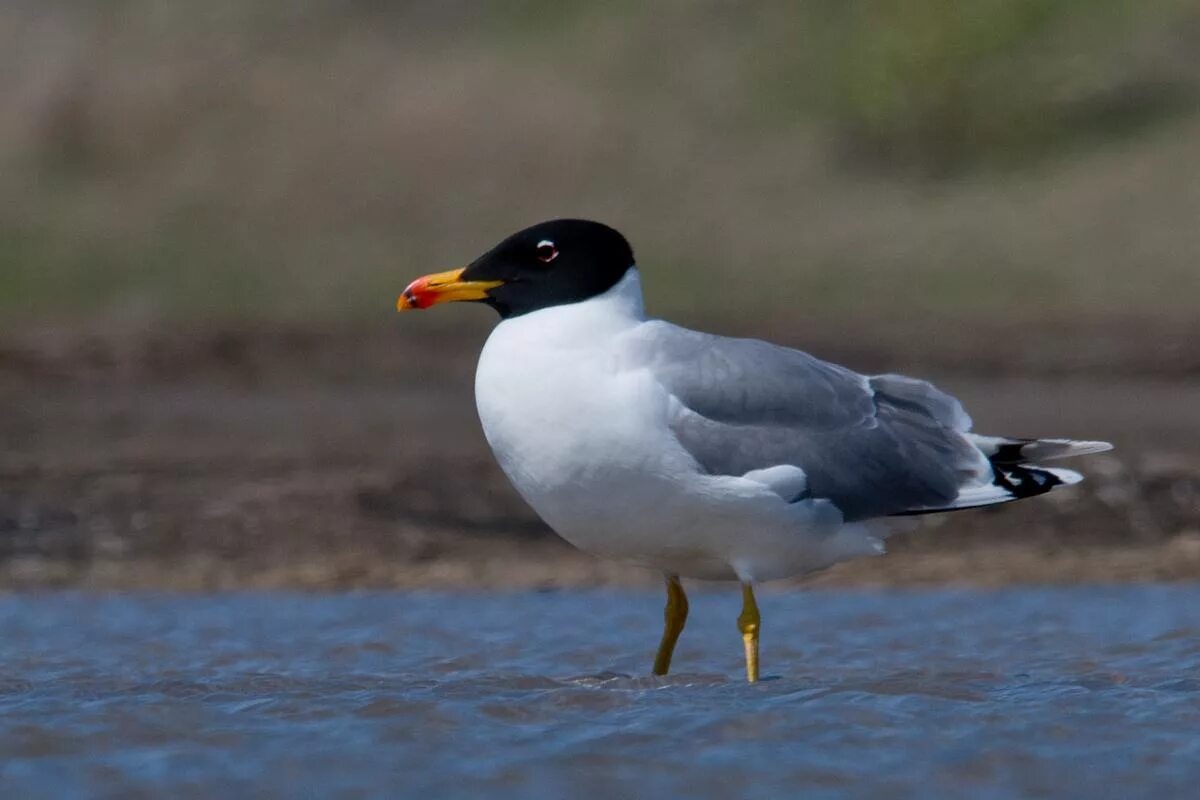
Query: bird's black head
pixel 550 264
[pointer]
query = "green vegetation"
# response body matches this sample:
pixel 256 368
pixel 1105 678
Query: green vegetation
pixel 283 159
pixel 943 85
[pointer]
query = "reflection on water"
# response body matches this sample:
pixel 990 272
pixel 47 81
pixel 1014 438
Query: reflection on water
pixel 1064 693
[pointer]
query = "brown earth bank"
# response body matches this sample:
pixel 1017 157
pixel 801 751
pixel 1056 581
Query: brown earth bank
pixel 289 456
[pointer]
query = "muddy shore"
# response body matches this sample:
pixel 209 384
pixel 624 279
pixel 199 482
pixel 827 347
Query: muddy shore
pixel 282 457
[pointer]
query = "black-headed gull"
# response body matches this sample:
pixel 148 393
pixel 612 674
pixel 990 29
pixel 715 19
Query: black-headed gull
pixel 699 455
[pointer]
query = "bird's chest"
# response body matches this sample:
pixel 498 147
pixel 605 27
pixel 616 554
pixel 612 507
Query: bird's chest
pixel 567 425
pixel 549 418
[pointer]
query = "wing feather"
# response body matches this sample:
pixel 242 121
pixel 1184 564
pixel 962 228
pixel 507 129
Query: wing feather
pixel 873 446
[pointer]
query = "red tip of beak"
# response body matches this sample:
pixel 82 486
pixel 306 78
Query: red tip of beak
pixel 415 296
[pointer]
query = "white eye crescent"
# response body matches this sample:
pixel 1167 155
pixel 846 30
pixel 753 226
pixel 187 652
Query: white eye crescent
pixel 547 251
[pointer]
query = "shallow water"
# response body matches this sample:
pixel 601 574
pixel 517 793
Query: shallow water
pixel 1084 692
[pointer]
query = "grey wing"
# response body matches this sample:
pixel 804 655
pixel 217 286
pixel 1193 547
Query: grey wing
pixel 873 446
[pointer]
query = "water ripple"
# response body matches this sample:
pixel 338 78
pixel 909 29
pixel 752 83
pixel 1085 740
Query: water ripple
pixel 1060 693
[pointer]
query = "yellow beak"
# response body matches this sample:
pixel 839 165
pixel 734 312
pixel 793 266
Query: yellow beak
pixel 442 287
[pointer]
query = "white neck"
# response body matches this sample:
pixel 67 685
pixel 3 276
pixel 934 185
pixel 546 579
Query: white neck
pixel 626 296
pixel 613 311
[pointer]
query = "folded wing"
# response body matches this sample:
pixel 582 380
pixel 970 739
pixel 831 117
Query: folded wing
pixel 873 446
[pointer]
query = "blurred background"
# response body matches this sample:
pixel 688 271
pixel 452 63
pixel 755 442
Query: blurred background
pixel 208 209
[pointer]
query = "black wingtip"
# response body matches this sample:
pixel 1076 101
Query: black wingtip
pixel 1023 481
pixel 1009 453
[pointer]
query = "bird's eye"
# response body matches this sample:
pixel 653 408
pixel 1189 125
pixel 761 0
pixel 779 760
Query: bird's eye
pixel 546 251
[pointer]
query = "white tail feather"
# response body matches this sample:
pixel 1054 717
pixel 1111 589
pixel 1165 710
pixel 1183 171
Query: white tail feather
pixel 990 494
pixel 1035 450
pixel 1051 449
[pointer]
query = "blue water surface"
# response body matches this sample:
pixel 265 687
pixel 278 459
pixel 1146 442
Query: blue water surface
pixel 1063 693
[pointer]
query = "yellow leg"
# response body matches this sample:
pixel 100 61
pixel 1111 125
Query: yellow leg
pixel 675 616
pixel 748 624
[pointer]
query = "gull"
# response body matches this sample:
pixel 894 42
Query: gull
pixel 698 455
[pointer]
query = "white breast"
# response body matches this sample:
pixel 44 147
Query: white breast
pixel 570 424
